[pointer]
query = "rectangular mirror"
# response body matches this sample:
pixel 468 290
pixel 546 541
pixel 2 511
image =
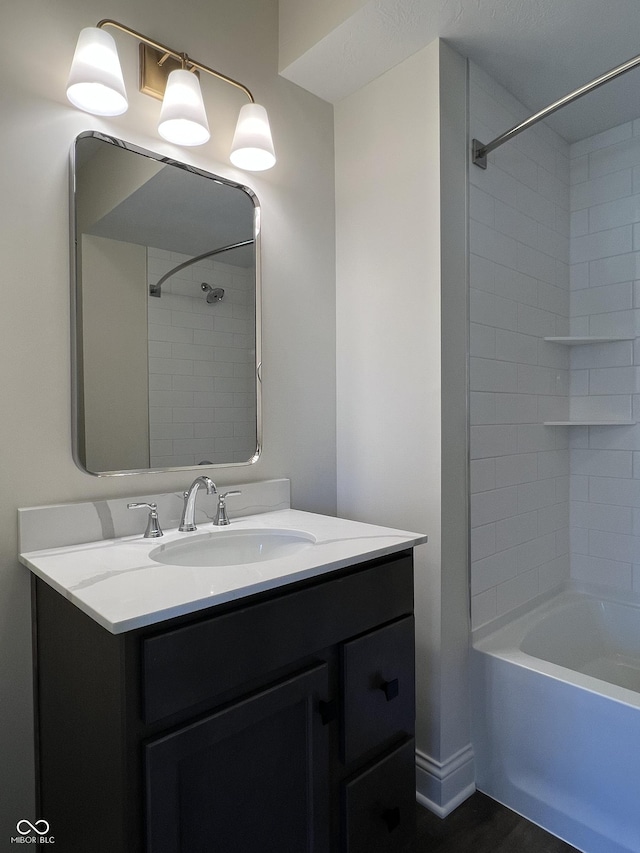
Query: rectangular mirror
pixel 166 303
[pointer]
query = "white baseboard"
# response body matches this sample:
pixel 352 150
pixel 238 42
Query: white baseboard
pixel 441 786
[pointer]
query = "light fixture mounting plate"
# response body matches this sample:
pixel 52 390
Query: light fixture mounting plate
pixel 155 67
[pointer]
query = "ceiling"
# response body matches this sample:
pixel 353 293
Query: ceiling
pixel 538 49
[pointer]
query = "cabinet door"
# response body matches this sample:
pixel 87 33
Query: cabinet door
pixel 249 778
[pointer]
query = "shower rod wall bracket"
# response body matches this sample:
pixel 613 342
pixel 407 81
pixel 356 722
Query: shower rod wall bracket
pixel 479 151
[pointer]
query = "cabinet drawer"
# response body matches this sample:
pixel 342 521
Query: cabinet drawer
pixel 378 687
pixel 196 663
pixel 379 804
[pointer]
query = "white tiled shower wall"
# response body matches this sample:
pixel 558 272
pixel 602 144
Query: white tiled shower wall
pixel 605 296
pixel 201 363
pixel 519 293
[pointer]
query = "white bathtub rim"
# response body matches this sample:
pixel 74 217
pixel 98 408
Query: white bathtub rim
pixel 504 643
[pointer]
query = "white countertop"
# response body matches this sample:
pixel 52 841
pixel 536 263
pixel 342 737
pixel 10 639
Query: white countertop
pixel 116 583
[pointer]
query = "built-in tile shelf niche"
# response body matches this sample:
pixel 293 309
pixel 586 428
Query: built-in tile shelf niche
pixel 575 340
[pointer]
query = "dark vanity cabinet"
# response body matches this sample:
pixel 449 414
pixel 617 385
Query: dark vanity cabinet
pixel 283 722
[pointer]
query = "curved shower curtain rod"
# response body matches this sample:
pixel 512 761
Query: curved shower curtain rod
pixel 156 289
pixel 479 151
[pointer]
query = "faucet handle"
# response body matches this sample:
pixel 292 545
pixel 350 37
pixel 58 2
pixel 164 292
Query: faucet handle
pixel 222 519
pixel 153 531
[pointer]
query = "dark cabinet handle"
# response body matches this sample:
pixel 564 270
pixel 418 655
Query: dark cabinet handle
pixel 392 818
pixel 328 711
pixel 390 689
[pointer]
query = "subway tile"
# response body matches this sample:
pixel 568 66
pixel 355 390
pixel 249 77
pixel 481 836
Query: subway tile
pixel 614 380
pixel 612 214
pixel 552 408
pixel 492 310
pixel 493 570
pixel 553 574
pixel 614 323
pixel 553 355
pixel 579 276
pixel 578 170
pixel 613 158
pixel 170 430
pixel 170 398
pixel 494 440
pixel 552 463
pixel 605 139
pixel 554 300
pixel 601 189
pixel 515 468
pixel 536 552
pixel 602 244
pixel 515 408
pixel 515 285
pixel 482 408
pixel 482 341
pixel 513 531
pixel 552 518
pixel 490 244
pixel 193 383
pixel 620 438
pixel 601 463
pixel 483 608
pixel 610 270
pixel 602 299
pixel 578 541
pixel 517 591
pixel 607 407
pixel 614 491
pixel 491 375
pixel 580 223
pixel 534 205
pixel 493 505
pixel 534 437
pixel 481 206
pixel 515 224
pixel 515 346
pixel 482 273
pixel 619 354
pixel 536 495
pixel 562 489
pixel 483 541
pixel 482 475
pixel 535 263
pixel 589 569
pixel 533 321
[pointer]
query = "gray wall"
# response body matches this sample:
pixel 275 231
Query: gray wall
pixel 39 126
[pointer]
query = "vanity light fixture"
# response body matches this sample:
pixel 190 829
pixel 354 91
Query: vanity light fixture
pixel 96 85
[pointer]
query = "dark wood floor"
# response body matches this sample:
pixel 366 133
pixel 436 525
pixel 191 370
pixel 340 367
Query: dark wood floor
pixel 481 825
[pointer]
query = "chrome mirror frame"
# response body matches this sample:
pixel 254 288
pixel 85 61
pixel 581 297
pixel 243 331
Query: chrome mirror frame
pixel 76 330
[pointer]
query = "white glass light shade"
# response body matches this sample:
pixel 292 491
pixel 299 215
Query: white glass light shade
pixel 95 80
pixel 183 120
pixel 252 146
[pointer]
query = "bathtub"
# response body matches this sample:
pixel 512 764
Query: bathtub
pixel 556 719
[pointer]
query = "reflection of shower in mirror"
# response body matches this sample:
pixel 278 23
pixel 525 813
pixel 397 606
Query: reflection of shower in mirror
pixel 214 294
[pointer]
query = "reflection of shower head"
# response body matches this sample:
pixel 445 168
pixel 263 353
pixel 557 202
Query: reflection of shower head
pixel 214 294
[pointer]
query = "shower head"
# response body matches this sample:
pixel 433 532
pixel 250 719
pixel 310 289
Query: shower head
pixel 214 294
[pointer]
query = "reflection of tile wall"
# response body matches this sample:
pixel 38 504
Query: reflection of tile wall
pixel 519 293
pixel 201 364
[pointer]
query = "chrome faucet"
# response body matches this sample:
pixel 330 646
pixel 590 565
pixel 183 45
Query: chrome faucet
pixel 222 519
pixel 187 522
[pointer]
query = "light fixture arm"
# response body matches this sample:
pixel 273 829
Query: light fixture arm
pixel 480 151
pixel 185 60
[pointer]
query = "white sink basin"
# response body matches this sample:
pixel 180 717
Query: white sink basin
pixel 232 547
